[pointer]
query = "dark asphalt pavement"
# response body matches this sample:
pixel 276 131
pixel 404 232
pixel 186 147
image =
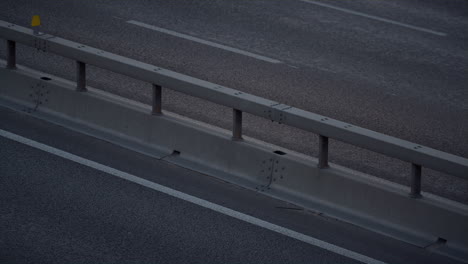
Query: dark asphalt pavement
pixel 381 76
pixel 53 210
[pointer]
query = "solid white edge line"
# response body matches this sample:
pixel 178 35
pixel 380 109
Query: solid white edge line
pixel 349 11
pixel 192 199
pixel 202 41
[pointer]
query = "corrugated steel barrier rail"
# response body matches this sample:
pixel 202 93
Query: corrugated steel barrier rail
pixel 418 156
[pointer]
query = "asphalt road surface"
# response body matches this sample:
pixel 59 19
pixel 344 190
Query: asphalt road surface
pixel 396 67
pixel 70 198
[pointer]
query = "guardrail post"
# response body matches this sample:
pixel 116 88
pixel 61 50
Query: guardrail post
pixel 11 54
pixel 156 103
pixel 323 152
pixel 236 124
pixel 415 181
pixel 80 76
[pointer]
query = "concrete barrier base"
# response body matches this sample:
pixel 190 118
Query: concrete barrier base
pixel 338 192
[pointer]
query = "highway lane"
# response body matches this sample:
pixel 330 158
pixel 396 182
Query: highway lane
pixel 392 79
pixel 56 211
pixel 56 207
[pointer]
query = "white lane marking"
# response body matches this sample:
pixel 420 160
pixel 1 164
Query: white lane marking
pixel 192 199
pixel 202 41
pixel 376 18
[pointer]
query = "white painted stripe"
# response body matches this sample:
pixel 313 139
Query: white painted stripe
pixel 202 41
pixel 375 18
pixel 192 199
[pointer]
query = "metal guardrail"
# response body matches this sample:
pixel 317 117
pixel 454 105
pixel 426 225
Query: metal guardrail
pixel 419 156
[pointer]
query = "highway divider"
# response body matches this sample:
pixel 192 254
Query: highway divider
pixel 355 197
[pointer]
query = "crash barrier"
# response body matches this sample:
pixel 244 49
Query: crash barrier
pixel 374 204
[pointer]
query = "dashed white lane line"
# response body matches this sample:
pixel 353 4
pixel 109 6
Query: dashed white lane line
pixel 381 19
pixel 192 199
pixel 205 42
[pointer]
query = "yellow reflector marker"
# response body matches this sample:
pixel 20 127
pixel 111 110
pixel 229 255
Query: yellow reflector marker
pixel 36 21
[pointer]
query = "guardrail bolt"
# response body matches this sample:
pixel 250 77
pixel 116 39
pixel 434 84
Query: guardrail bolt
pixel 157 100
pixel 415 181
pixel 11 54
pixel 323 152
pixel 237 124
pixel 80 76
